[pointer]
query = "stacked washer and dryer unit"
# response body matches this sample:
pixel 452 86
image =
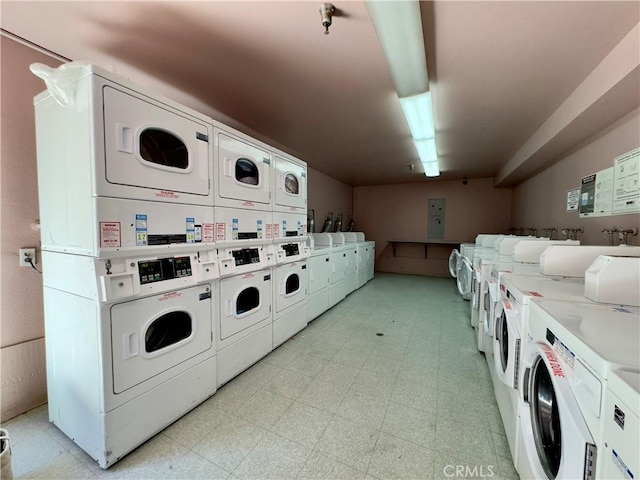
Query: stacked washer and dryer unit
pixel 174 254
pixel 130 265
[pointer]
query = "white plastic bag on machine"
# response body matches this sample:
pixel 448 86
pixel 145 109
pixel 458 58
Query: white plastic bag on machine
pixel 61 81
pixel 6 472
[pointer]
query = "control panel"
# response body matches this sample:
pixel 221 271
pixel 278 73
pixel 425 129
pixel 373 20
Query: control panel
pixel 246 256
pixel 291 249
pixel 164 269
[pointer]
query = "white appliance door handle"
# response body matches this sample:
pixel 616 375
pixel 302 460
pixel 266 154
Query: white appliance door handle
pixel 227 167
pixel 227 307
pixel 281 288
pixel 130 345
pixel 124 138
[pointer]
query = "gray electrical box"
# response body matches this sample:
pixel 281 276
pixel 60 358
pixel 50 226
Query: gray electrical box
pixel 436 218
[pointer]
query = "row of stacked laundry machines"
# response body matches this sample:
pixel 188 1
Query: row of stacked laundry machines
pixel 559 325
pixel 175 255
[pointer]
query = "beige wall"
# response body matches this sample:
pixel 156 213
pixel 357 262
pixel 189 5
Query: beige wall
pixel 399 212
pixel 541 201
pixel 21 319
pixel 326 194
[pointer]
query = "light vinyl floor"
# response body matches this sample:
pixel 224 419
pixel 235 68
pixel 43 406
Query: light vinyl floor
pixel 338 401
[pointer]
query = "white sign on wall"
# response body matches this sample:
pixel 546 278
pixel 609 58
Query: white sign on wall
pixel 573 200
pixel 596 194
pixel 626 183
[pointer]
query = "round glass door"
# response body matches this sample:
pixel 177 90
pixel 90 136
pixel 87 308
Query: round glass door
pixel 545 419
pixel 247 172
pixel 167 330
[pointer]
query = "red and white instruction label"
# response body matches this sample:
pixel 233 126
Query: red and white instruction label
pixel 207 232
pixel 220 231
pixel 169 296
pixel 269 231
pixel 556 368
pixel 110 235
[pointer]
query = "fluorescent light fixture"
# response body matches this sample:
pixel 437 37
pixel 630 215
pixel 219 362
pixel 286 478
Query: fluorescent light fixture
pixel 428 156
pixel 399 29
pixel 398 25
pixel 419 113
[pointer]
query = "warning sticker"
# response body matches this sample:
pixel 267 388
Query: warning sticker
pixel 207 232
pixel 269 230
pixel 259 228
pixel 191 230
pixel 556 368
pixel 275 231
pixel 534 294
pixel 220 231
pixel 110 236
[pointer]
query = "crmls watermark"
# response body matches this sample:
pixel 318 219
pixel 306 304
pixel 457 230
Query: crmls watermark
pixel 475 471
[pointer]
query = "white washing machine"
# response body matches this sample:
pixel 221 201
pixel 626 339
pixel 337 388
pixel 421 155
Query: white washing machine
pixel 511 326
pixel 465 278
pixel 244 333
pixel 122 333
pixel 574 260
pixel 370 250
pixel 290 185
pixel 566 364
pixel 290 288
pixel 613 280
pixel 319 275
pixel 485 250
pixel 244 171
pixel 290 300
pixel 338 264
pixel 454 262
pixel 619 458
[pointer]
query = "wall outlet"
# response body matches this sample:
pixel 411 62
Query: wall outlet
pixel 25 254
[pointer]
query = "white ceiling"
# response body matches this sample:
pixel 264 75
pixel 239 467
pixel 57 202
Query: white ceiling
pixel 499 70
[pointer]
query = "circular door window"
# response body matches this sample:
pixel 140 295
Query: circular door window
pixel 503 331
pixel 167 330
pixel 162 148
pixel 248 299
pixel 545 419
pixel 291 184
pixel 247 172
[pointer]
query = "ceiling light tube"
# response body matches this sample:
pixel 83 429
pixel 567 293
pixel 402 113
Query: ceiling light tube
pixel 431 169
pixel 419 113
pixel 427 150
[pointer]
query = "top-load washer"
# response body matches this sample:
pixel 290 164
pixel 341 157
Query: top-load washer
pixel 290 185
pixel 621 429
pixel 319 267
pixel 362 256
pixel 567 362
pixel 112 145
pixel 244 171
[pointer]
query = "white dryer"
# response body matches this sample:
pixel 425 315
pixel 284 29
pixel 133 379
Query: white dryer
pixel 112 145
pixel 566 365
pixel 244 171
pixel 290 185
pixel 244 331
pixel 121 333
pixel 621 429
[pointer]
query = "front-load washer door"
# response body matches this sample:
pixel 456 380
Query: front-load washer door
pixel 244 172
pixel 291 281
pixel 557 440
pixel 245 300
pixel 153 334
pixel 454 262
pixel 156 148
pixel 506 343
pixel 290 185
pixel 464 278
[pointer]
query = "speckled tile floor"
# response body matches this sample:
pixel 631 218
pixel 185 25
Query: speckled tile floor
pixel 338 401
